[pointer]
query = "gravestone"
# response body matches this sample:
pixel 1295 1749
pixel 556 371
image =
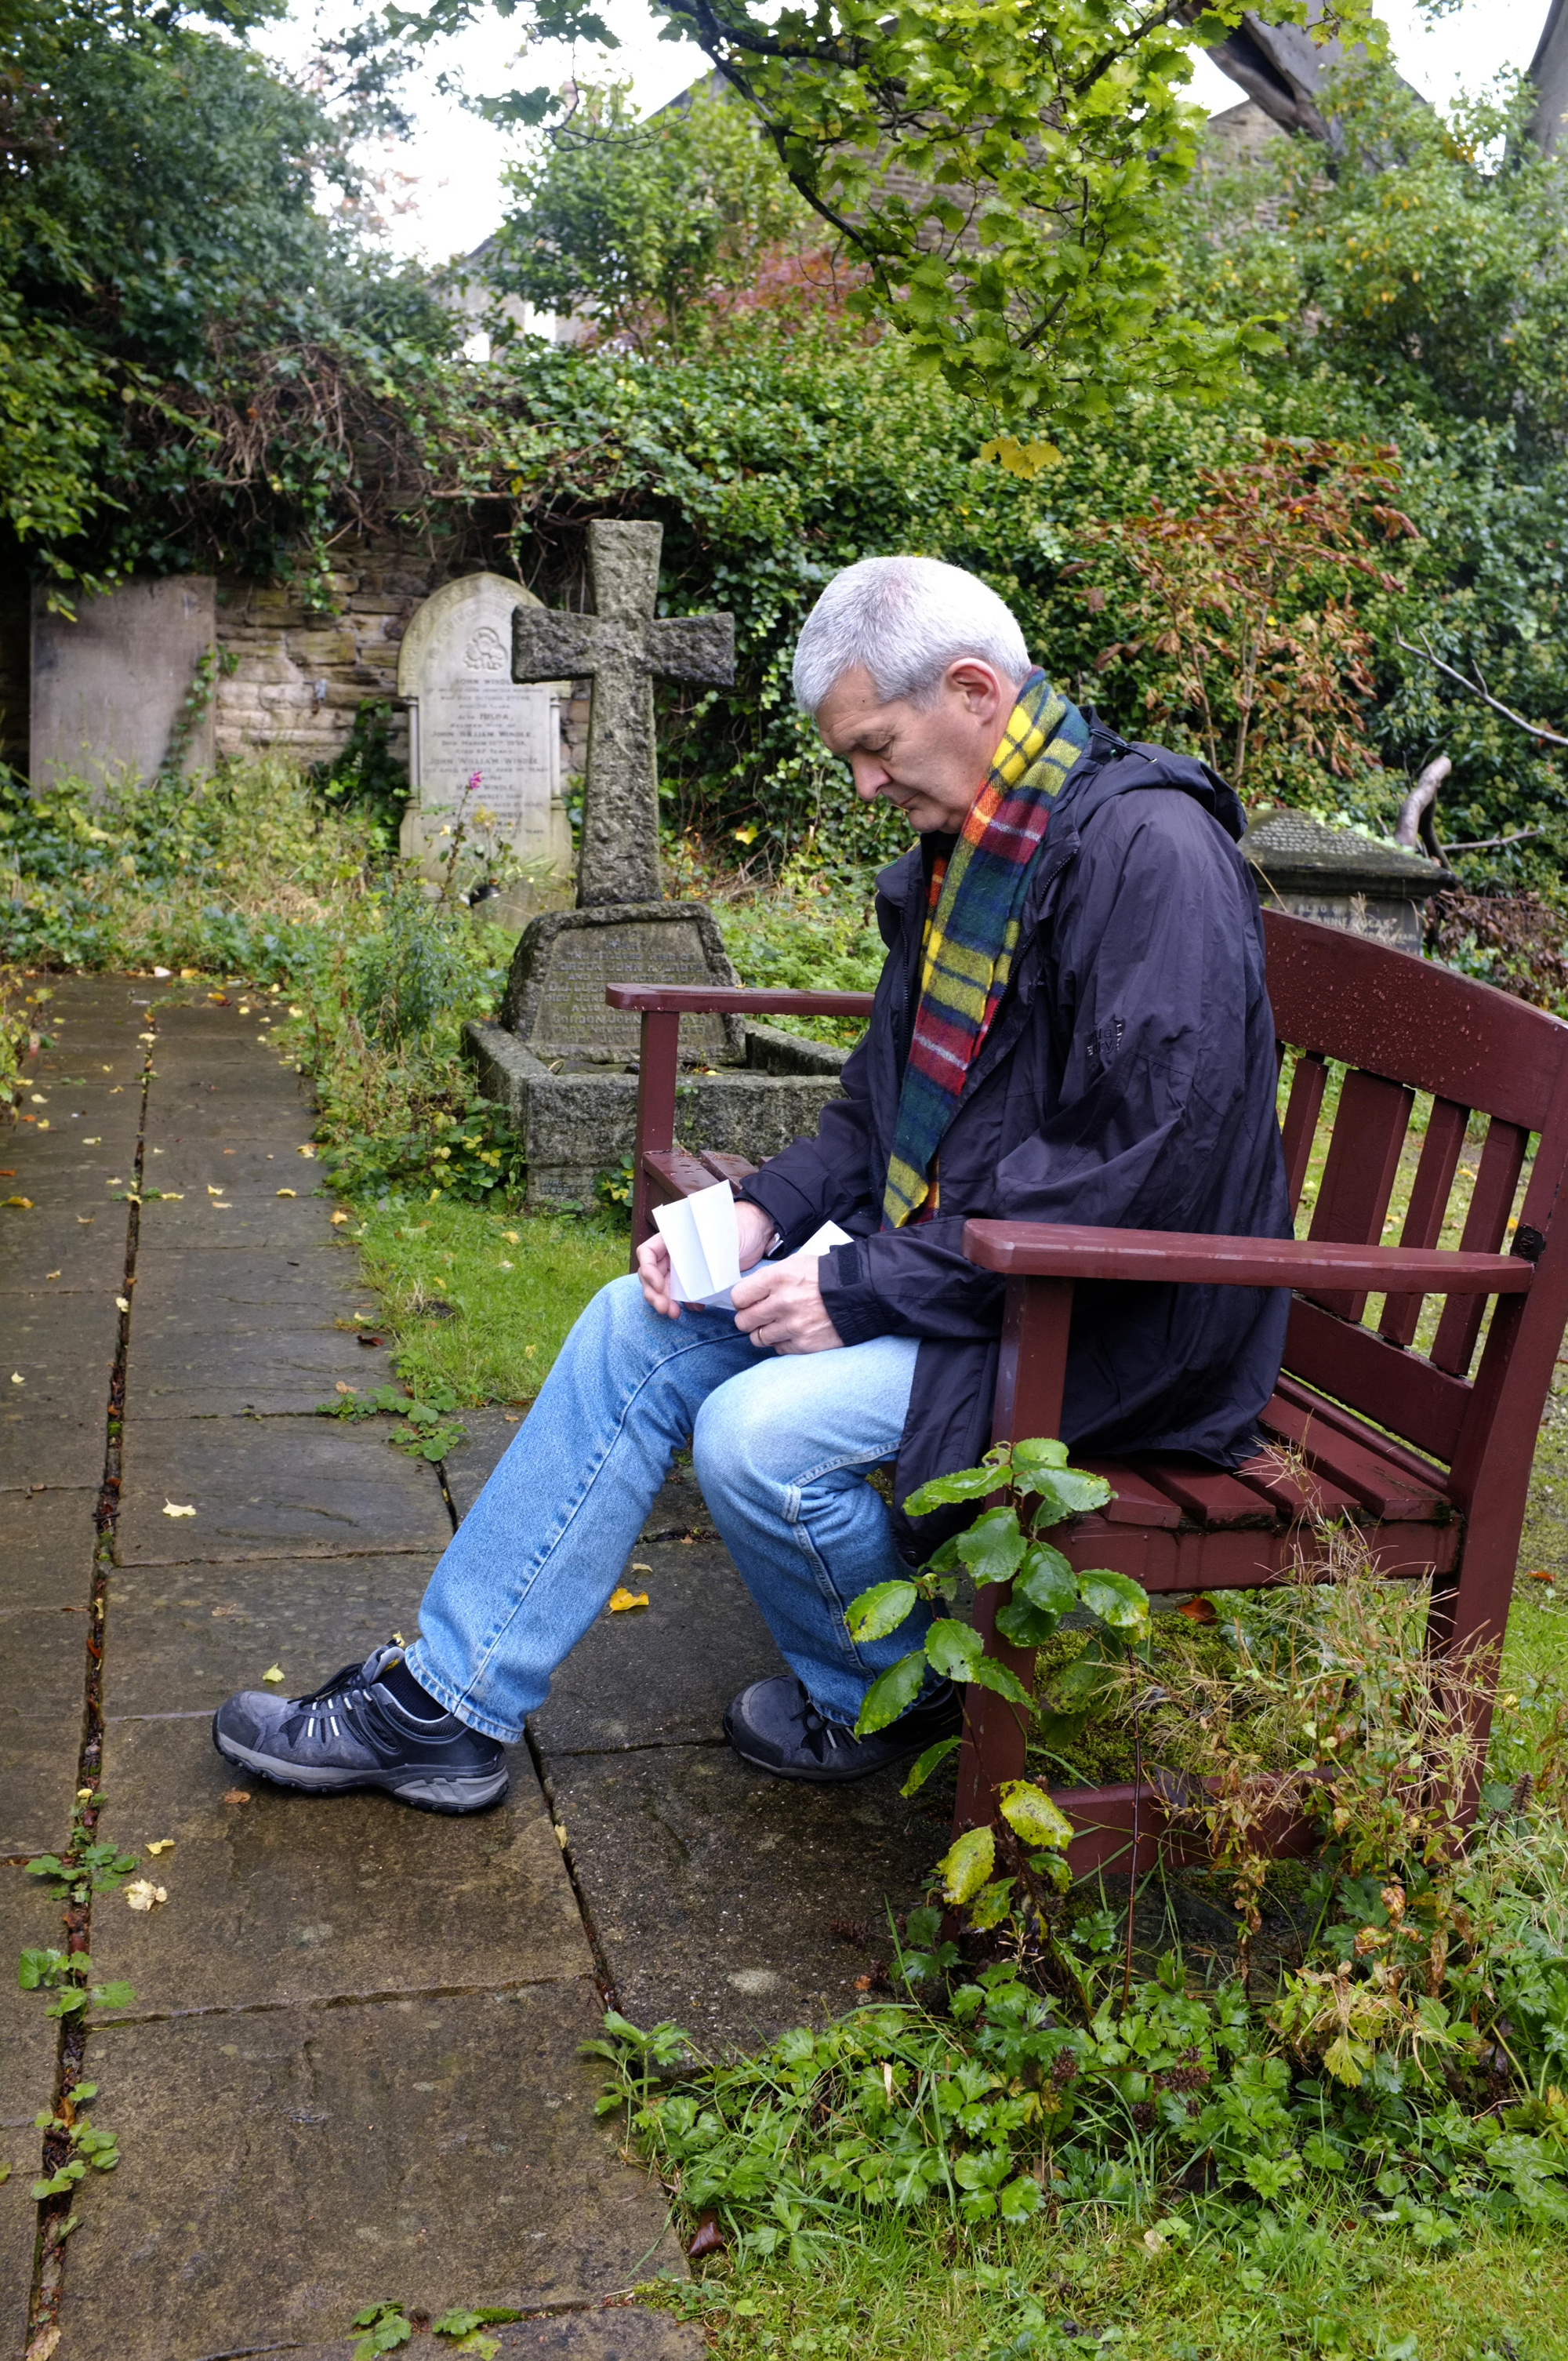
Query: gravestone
pixel 1342 879
pixel 562 1063
pixel 466 715
pixel 110 684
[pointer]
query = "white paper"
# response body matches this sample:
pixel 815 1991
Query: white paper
pixel 703 1236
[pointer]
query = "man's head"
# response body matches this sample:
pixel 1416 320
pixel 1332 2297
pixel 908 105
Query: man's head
pixel 910 668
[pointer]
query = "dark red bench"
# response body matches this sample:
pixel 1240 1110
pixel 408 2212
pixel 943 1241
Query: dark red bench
pixel 1428 1454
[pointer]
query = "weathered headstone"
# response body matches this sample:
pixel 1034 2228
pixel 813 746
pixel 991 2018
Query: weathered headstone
pixel 1342 879
pixel 466 715
pixel 110 684
pixel 562 1063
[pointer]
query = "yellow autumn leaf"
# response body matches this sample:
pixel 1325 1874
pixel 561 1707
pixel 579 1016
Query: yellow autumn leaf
pixel 287 1192
pixel 51 1274
pixel 161 1844
pixel 306 1147
pixel 173 1509
pixel 17 1379
pixel 142 1894
pixel 273 1673
pixel 340 1217
pixel 621 1600
pixel 24 1203
pixel 212 1191
pixel 121 1304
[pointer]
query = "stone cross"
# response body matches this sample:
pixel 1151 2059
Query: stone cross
pixel 621 647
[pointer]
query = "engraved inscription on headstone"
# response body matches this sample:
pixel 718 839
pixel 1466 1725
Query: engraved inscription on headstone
pixel 466 715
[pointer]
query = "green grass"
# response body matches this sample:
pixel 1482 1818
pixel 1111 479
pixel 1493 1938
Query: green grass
pixel 1319 2280
pixel 481 1301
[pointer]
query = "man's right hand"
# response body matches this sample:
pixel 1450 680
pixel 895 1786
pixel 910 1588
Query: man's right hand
pixel 756 1229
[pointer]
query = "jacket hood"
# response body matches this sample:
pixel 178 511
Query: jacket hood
pixel 1109 766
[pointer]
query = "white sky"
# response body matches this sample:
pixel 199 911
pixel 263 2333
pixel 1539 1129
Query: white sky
pixel 446 182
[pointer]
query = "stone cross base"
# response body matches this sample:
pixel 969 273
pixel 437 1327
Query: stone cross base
pixel 576 1124
pixel 555 1002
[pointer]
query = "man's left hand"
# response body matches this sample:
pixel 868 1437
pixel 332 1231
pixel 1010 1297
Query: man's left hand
pixel 782 1307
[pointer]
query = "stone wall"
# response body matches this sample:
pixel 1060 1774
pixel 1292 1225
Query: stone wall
pixel 300 675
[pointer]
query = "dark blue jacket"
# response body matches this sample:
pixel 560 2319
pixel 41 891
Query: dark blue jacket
pixel 1127 1081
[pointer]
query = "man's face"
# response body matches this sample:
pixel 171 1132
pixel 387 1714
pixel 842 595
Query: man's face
pixel 930 761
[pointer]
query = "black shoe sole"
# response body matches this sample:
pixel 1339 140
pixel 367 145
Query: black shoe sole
pixel 426 1791
pixel 822 1777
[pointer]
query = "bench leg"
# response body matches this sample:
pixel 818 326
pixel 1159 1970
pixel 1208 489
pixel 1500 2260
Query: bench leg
pixel 657 1070
pixel 1028 1402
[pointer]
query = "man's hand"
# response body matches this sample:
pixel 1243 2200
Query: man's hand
pixel 756 1228
pixel 784 1308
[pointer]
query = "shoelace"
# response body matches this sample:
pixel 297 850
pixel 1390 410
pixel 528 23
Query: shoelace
pixel 318 1703
pixel 821 1736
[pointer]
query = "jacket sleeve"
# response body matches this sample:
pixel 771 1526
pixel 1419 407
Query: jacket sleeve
pixel 824 1178
pixel 1145 993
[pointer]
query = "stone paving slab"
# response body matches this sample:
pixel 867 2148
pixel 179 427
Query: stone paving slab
pixel 292 1898
pixel 711 1886
pixel 83 1244
pixel 679 1509
pixel 40 1729
pixel 62 1347
pixel 256 1221
pixel 661 1674
pixel 43 1453
pixel 316 1283
pixel 28 2042
pixel 194 1357
pixel 49 1541
pixel 185 1637
pixel 281 2168
pixel 273 1488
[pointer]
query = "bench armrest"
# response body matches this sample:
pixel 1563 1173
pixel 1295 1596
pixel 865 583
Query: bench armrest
pixel 1063 1250
pixel 732 1000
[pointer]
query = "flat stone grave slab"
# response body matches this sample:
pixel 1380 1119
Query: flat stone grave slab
pixel 89 1253
pixel 293 1898
pixel 28 2042
pixel 711 1886
pixel 618 2332
pixel 661 1674
pixel 42 1675
pixel 273 1488
pixel 678 1509
pixel 185 1637
pixel 283 2168
pixel 191 1357
pixel 49 1541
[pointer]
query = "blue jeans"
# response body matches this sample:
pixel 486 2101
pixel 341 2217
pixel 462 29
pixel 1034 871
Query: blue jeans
pixel 781 1443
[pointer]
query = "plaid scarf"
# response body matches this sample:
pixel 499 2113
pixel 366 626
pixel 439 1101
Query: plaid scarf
pixel 972 933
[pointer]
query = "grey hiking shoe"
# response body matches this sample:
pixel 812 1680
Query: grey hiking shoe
pixel 352 1732
pixel 775 1725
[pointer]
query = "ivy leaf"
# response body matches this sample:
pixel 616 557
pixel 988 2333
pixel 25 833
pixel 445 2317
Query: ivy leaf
pixel 1030 1813
pixel 1117 1600
pixel 882 1609
pixel 966 1865
pixel 992 1548
pixel 892 1693
pixel 923 1764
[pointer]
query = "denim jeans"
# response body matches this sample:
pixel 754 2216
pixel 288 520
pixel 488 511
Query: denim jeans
pixel 781 1443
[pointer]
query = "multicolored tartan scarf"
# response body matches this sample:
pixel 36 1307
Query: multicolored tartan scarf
pixel 971 932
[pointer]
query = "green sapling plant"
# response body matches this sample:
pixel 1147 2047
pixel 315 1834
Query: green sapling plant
pixel 1004 1543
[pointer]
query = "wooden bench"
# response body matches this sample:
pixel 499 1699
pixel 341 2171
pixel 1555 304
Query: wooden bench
pixel 1428 1455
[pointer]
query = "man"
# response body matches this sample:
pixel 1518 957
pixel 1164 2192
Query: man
pixel 1070 1025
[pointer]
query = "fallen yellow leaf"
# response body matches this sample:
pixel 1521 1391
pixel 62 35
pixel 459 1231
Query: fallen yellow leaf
pixel 142 1894
pixel 17 1379
pixel 621 1600
pixel 173 1509
pixel 637 1567
pixel 307 1148
pixel 237 1794
pixel 273 1673
pixel 512 1237
pixel 340 1217
pixel 189 974
pixel 212 1191
pixel 172 1196
pixel 220 1205
pixel 287 1192
pixel 161 1844
pixel 51 1274
pixel 121 1304
pixel 24 1203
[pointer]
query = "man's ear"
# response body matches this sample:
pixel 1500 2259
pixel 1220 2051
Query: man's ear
pixel 986 696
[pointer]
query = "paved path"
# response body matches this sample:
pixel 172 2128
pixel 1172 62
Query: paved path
pixel 350 2070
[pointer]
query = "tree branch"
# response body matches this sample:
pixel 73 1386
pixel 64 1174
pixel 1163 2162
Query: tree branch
pixel 1474 688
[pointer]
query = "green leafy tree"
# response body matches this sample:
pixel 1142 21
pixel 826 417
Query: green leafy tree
pixel 646 227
